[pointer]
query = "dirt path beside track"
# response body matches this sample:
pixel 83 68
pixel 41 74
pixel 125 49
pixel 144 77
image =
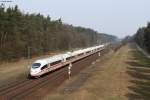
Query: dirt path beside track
pixel 106 81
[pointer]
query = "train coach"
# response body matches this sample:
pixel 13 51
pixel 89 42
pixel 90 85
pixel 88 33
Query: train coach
pixel 43 66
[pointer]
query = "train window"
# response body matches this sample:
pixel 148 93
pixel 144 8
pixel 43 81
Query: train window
pixel 80 54
pixel 45 66
pixel 88 52
pixel 54 63
pixel 36 65
pixel 69 58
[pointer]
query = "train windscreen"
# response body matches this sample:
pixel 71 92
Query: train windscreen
pixel 36 65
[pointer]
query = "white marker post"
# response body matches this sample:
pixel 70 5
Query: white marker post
pixel 69 70
pixel 99 54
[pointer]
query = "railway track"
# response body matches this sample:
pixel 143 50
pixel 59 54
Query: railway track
pixel 23 88
pixel 18 90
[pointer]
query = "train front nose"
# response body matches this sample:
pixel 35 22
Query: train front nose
pixel 34 72
pixel 35 69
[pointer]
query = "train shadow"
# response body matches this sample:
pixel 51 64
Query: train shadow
pixel 139 70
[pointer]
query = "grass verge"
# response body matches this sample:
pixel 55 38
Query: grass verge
pixel 140 71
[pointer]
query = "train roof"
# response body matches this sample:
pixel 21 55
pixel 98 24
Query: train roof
pixel 52 59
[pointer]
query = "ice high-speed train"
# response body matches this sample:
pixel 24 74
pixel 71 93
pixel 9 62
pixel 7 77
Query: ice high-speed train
pixel 43 66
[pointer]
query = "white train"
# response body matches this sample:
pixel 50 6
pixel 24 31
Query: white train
pixel 43 66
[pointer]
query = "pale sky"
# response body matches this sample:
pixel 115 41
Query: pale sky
pixel 117 17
